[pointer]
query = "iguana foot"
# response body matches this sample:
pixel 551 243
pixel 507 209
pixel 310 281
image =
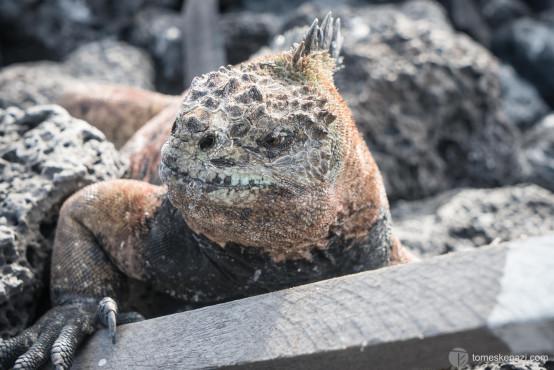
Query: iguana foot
pixel 58 333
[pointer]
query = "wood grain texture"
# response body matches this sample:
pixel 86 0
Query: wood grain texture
pixel 396 317
pixel 203 41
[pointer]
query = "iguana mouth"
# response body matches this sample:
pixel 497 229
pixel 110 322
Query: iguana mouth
pixel 213 179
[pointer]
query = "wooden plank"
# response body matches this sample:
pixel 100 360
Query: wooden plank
pixel 202 38
pixel 495 300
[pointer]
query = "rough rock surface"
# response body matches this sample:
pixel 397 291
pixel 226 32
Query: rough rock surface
pixel 108 61
pixel 111 61
pixel 538 150
pixel 468 218
pixel 246 32
pixel 512 365
pixel 480 18
pixel 522 103
pixel 499 12
pixel 158 30
pixel 428 100
pixel 32 83
pixel 45 156
pixel 528 45
pixel 51 29
pixel 467 17
pixel 540 5
pixel 548 16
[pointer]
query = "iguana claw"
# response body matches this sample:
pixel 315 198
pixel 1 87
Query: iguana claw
pixel 106 313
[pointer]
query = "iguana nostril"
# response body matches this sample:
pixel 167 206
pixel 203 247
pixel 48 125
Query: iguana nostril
pixel 207 142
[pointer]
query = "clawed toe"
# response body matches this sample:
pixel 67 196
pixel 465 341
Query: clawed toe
pixel 107 313
pixel 64 347
pixel 11 349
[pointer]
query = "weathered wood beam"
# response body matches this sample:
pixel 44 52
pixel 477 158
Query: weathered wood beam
pixel 495 300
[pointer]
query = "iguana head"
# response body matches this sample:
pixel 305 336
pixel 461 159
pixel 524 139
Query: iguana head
pixel 257 151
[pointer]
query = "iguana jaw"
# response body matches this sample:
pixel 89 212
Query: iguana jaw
pixel 216 186
pixel 211 179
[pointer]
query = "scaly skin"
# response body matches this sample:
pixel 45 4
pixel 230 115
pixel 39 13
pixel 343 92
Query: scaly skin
pixel 267 185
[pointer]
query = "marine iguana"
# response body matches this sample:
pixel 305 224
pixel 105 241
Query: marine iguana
pixel 267 185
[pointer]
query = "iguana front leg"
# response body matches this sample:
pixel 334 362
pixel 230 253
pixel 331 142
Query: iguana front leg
pixel 94 226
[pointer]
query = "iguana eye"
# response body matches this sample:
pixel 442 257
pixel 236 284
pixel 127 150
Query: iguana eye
pixel 276 141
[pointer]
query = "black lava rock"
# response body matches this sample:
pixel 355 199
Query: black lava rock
pixel 468 218
pixel 522 103
pixel 159 30
pixel 538 149
pixel 45 156
pixel 528 45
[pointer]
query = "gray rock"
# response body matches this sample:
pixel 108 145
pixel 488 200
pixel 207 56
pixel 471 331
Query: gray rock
pixel 540 5
pixel 480 18
pixel 548 16
pixel 279 7
pixel 35 83
pixel 499 12
pixel 467 17
pixel 468 218
pixel 538 149
pixel 428 102
pixel 427 10
pixel 111 61
pixel 51 29
pixel 158 30
pixel 528 45
pixel 169 4
pixel 510 365
pixel 522 102
pixel 45 156
pixel 246 32
pixel 32 83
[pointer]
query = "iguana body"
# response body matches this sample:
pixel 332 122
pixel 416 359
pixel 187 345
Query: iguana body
pixel 267 185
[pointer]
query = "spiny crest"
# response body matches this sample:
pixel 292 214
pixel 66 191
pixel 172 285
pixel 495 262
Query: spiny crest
pixel 325 38
pixel 314 59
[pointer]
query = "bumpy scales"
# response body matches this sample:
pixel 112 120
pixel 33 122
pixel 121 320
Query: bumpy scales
pixel 268 185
